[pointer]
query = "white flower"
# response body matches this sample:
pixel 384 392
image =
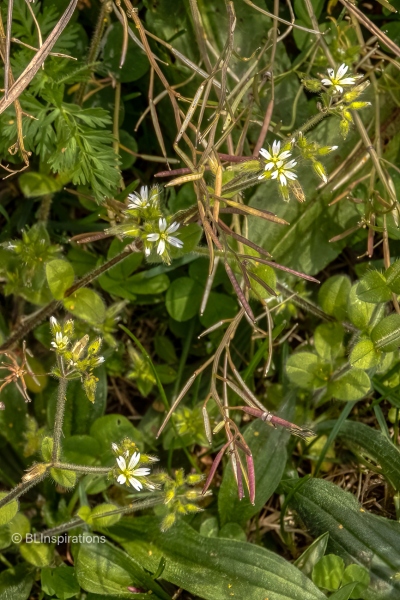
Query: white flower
pixel 163 237
pixel 338 79
pixel 139 201
pixel 114 447
pixel 274 155
pixel 61 342
pixel 128 473
pixel 276 163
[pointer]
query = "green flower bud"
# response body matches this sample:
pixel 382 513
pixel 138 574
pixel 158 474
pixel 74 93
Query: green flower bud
pixel 192 508
pixel 94 347
pixel 344 128
pixel 312 85
pixel 320 171
pixel 359 105
pixel 169 495
pixel 89 385
pixel 168 521
pixel 194 479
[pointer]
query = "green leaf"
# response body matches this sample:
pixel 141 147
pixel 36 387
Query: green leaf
pixel 66 479
pixel 386 334
pixel 183 299
pixel 352 385
pixel 105 569
pixel 344 593
pixel 359 312
pixel 8 511
pixel 219 306
pixel 233 531
pixel 373 288
pixel 113 428
pixel 364 355
pixel 87 305
pixel 355 573
pixel 98 521
pixel 312 555
pixel 268 447
pixel 16 583
pixel 328 340
pixel 36 553
pixel 303 369
pixel 38 184
pixel 392 276
pixel 372 443
pixel 60 582
pixel 213 568
pixel 190 235
pixel 81 449
pixel 333 296
pixel 355 535
pixel 328 572
pixel 19 524
pixel 60 276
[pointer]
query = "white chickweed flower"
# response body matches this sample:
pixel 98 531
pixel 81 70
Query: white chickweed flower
pixel 139 201
pixel 338 79
pixel 128 474
pixel 61 341
pixel 276 163
pixel 163 237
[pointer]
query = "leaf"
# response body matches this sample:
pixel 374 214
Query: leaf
pixel 386 334
pixel 113 428
pixel 36 553
pixel 8 511
pixel 38 184
pixel 344 593
pixel 104 569
pixel 364 355
pixel 81 449
pixel 303 369
pixel 60 581
pixel 355 573
pixel 60 276
pixel 372 443
pixel 392 276
pixel 16 582
pixel 96 519
pixel 328 572
pixel 352 385
pixel 213 568
pixel 312 555
pixel 183 299
pixel 219 306
pixel 190 235
pixel 359 312
pixel 66 479
pixel 373 288
pixel 328 340
pixel 268 447
pixel 87 305
pixel 333 296
pixel 355 535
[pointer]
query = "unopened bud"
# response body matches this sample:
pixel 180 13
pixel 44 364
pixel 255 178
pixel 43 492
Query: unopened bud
pixel 312 85
pixel 54 325
pixel 359 105
pixel 94 347
pixel 326 150
pixel 168 521
pixel 344 128
pixel 169 495
pixel 194 479
pixel 320 171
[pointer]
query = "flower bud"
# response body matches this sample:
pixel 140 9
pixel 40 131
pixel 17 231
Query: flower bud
pixel 326 150
pixel 344 128
pixel 312 85
pixel 168 521
pixel 89 385
pixel 94 347
pixel 320 171
pixel 192 508
pixel 169 495
pixel 54 325
pixel 359 105
pixel 194 479
pixel 68 327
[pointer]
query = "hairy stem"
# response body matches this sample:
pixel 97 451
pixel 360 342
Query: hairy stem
pixel 59 418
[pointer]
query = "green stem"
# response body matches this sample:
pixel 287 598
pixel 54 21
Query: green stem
pixel 59 418
pixel 21 488
pixel 81 468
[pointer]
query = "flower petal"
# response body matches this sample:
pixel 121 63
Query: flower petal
pixel 347 81
pixel 342 70
pixel 265 154
pixel 174 241
pixel 173 227
pixel 135 483
pixel 144 192
pixel 282 179
pixel 290 175
pixel 331 73
pixel 153 237
pixel 276 146
pixel 339 88
pixel 142 472
pixel 274 174
pixel 162 224
pixel 161 247
pixel 291 164
pixel 121 479
pixel 284 155
pixel 134 460
pixel 269 166
pixel 326 82
pixel 121 463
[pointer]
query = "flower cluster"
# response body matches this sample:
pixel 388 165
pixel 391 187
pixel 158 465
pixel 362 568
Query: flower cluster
pixel 180 497
pixel 144 220
pixel 311 151
pixel 75 359
pixel 129 470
